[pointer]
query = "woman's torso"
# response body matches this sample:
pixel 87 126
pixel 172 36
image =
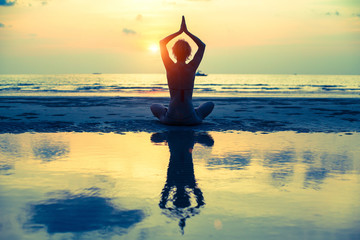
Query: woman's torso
pixel 181 84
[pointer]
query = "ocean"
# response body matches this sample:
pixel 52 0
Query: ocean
pixel 213 85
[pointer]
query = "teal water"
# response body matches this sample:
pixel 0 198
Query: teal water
pixel 180 185
pixel 213 85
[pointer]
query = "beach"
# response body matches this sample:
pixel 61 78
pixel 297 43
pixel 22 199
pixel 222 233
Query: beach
pixel 124 114
pixel 97 166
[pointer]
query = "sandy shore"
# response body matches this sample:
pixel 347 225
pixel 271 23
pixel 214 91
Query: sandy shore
pixel 124 114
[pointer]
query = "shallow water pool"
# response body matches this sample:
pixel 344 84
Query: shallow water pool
pixel 180 185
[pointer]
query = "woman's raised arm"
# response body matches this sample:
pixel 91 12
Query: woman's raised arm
pixel 195 62
pixel 163 49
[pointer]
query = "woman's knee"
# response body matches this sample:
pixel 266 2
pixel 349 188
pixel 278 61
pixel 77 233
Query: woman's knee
pixel 205 109
pixel 158 110
pixel 208 106
pixel 154 107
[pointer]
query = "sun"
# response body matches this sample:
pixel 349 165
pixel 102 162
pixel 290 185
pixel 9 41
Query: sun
pixel 154 48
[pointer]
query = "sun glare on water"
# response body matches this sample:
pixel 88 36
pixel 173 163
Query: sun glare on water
pixel 154 48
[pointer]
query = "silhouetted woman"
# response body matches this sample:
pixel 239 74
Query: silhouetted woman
pixel 181 76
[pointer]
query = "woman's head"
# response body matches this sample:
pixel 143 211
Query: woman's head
pixel 181 50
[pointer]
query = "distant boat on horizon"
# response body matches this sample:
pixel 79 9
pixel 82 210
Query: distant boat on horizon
pixel 97 73
pixel 200 73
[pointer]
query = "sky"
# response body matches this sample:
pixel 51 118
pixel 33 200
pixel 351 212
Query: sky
pixel 122 36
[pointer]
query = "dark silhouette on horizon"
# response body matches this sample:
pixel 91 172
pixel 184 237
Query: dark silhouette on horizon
pixel 181 186
pixel 181 77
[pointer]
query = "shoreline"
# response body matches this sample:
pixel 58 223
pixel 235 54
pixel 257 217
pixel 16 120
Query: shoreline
pixel 19 114
pixel 197 95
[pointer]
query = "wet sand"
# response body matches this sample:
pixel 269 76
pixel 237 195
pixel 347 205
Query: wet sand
pixel 238 185
pixel 257 168
pixel 126 114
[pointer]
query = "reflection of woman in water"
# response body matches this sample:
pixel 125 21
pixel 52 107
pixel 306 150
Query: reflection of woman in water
pixel 181 185
pixel 181 76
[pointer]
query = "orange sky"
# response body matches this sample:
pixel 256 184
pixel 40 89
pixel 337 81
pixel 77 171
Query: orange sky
pixel 114 36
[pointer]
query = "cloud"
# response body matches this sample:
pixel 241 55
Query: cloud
pixel 81 213
pixel 39 2
pixel 7 3
pixel 128 31
pixel 336 13
pixel 49 151
pixel 2 25
pixel 6 169
pixel 24 3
